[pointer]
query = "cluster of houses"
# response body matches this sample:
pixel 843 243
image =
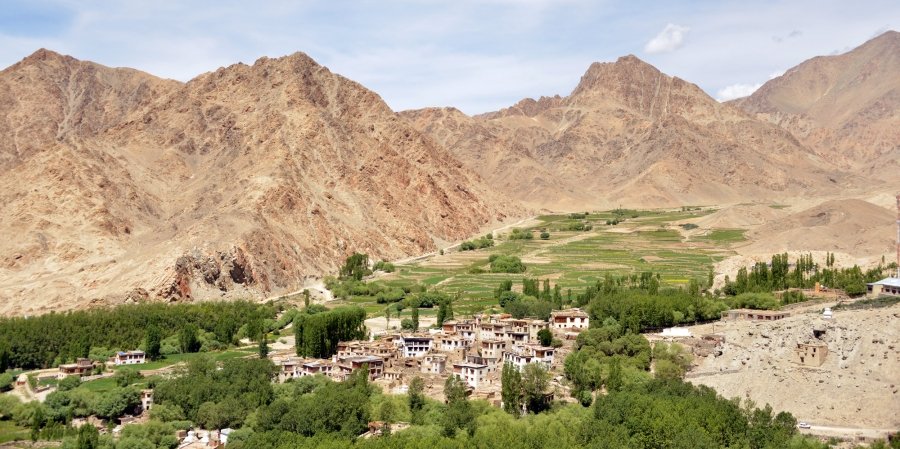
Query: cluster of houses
pixel 474 350
pixel 84 367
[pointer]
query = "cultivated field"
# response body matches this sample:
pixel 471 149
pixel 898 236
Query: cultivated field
pixel 644 241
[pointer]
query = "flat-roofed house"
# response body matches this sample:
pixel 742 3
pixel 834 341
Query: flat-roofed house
pixel 129 358
pixel 81 367
pixel 288 369
pixel 433 363
pixel 415 345
pixel 569 319
pixel 348 365
pixel 472 374
pixel 522 355
pixel 314 367
pixel 754 315
pixel 452 342
pixel 146 399
pixel 493 348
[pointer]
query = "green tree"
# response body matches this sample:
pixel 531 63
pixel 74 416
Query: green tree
pixel 545 235
pixel 153 342
pixel 459 414
pixel 445 311
pixel 4 357
pixel 318 335
pixel 68 383
pixel 614 380
pixel 415 318
pixel 511 389
pixel 355 267
pixel 416 399
pixel 187 339
pixel 37 422
pixel 535 385
pixel 545 337
pixel 88 437
pixel 263 345
pixel 126 376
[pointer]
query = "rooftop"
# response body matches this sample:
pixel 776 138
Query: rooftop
pixel 469 365
pixel 570 312
pixel 892 282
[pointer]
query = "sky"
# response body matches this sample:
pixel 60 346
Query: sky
pixel 478 56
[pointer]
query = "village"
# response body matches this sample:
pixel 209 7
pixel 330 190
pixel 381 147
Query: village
pixel 474 350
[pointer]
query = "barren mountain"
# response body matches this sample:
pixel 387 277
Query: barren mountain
pixel 240 182
pixel 629 134
pixel 845 107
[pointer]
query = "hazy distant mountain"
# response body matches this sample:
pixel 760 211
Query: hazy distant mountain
pixel 238 182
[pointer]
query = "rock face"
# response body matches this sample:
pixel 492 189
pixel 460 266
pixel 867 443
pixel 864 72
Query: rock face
pixel 116 184
pixel 844 107
pixel 629 134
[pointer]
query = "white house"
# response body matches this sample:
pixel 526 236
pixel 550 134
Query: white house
pixel 569 319
pixel 472 373
pixel 523 355
pixel 415 346
pixel 129 358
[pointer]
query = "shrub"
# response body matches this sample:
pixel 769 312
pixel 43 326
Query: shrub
pixel 507 264
pixel 545 235
pixel 479 243
pixel 385 266
pixel 518 234
pixel 407 324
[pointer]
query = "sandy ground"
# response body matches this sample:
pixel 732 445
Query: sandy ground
pixel 378 325
pixel 858 386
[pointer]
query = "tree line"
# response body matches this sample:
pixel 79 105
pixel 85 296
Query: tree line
pixel 47 340
pixel 780 274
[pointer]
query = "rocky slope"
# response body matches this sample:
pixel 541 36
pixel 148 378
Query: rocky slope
pixel 629 134
pixel 856 386
pixel 845 107
pixel 240 182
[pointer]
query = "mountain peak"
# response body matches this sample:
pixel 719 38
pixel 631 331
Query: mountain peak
pixel 43 55
pixel 612 76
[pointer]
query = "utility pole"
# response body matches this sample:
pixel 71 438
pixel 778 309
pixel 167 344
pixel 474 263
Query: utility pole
pixel 898 236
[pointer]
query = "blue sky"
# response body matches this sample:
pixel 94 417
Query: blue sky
pixel 476 55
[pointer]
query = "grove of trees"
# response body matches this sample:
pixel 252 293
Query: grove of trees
pixel 318 335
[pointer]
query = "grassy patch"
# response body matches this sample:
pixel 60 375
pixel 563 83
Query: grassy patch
pixel 9 431
pixel 873 303
pixel 724 236
pixel 779 206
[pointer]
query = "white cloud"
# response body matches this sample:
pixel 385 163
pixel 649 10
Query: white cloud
pixel 736 91
pixel 671 38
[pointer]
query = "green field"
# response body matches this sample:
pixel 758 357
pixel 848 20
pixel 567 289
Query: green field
pixel 178 358
pixel 644 241
pixel 9 431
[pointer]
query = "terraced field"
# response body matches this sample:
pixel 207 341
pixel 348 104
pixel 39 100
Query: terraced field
pixel 644 241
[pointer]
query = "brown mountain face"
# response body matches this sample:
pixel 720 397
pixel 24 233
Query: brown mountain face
pixel 240 182
pixel 629 134
pixel 844 107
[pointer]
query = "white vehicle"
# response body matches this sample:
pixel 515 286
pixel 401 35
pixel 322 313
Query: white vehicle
pixel 803 425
